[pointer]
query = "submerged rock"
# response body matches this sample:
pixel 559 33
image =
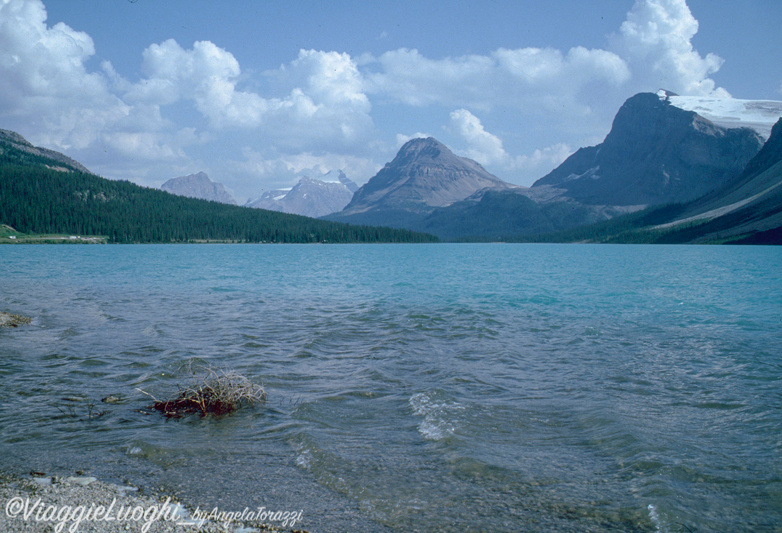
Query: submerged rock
pixel 112 398
pixel 13 321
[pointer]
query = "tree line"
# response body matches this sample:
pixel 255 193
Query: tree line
pixel 37 199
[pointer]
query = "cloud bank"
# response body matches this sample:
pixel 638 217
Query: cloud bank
pixel 318 109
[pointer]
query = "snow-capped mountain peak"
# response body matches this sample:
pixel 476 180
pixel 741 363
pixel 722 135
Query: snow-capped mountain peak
pixel 311 197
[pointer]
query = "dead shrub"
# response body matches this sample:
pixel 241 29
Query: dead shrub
pixel 213 392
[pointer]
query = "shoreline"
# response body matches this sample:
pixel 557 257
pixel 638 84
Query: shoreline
pixel 41 503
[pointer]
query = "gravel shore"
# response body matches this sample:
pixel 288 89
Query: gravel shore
pixel 42 503
pixel 45 504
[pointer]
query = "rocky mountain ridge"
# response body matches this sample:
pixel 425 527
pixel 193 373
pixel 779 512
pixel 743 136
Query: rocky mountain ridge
pixel 424 175
pixel 18 144
pixel 655 153
pixel 310 197
pixel 748 208
pixel 198 186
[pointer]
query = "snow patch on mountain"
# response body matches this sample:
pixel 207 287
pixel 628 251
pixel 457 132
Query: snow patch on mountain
pixel 759 115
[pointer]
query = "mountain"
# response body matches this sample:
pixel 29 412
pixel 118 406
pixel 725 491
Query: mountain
pixel 655 153
pixel 424 176
pixel 16 149
pixel 198 186
pixel 343 179
pixel 310 197
pixel 747 209
pixel 44 192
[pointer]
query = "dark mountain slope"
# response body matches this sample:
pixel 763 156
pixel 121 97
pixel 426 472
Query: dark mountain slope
pixel 507 214
pixel 655 153
pixel 748 209
pixel 754 180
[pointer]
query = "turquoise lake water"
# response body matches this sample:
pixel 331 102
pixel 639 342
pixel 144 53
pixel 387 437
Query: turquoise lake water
pixel 412 387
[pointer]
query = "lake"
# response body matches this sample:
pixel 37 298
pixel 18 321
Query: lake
pixel 444 387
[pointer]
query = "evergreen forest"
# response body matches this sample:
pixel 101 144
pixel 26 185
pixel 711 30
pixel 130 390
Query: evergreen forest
pixel 41 195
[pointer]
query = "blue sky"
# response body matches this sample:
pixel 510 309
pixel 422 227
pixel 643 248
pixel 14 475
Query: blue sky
pixel 255 93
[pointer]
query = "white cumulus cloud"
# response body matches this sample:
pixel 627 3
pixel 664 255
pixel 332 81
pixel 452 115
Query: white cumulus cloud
pixel 483 147
pixel 487 149
pixel 652 49
pixel 48 94
pixel 45 88
pixel 656 40
pixel 320 107
pixel 515 78
pixel 205 74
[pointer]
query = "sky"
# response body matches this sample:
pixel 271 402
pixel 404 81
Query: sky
pixel 258 93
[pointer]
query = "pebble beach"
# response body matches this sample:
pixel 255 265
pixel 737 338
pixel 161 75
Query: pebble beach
pixel 41 503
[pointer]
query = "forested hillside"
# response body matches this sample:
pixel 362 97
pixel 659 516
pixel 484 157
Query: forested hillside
pixel 34 198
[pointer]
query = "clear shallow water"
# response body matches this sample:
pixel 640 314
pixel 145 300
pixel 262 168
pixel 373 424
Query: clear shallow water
pixel 413 388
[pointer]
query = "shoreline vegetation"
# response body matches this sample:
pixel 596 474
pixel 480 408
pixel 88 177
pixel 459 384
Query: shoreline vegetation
pixel 52 500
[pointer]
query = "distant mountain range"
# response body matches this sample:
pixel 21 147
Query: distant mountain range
pixel 664 173
pixel 198 186
pixel 312 197
pixel 656 153
pixel 45 192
